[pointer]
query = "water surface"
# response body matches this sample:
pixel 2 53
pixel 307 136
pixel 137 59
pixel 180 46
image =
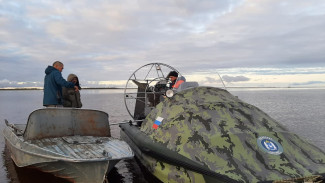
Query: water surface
pixel 300 110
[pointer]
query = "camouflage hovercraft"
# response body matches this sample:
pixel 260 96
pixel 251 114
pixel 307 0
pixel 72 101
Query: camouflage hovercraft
pixel 205 134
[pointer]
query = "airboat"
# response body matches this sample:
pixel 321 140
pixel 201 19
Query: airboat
pixel 206 134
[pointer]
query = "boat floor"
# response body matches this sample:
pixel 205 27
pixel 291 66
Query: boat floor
pixel 78 147
pixel 83 148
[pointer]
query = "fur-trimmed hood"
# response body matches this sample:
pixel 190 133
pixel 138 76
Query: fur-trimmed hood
pixel 71 76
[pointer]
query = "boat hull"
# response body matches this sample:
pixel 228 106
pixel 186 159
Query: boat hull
pixel 163 171
pixel 211 132
pixel 81 156
pixel 74 171
pixel 164 164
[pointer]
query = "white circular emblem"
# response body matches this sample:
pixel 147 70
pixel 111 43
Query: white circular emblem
pixel 268 145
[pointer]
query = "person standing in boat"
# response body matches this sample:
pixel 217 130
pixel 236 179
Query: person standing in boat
pixel 71 98
pixel 175 80
pixel 53 83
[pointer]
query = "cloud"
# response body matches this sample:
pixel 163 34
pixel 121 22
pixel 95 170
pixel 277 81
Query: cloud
pixel 6 83
pixel 308 83
pixel 274 71
pixel 104 84
pixel 109 40
pixel 212 80
pixel 234 78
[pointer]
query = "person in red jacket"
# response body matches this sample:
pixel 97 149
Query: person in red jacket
pixel 175 80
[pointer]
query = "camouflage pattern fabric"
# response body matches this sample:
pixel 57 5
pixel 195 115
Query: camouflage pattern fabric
pixel 230 137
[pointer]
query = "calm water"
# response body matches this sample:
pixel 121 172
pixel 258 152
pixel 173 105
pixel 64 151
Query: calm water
pixel 300 110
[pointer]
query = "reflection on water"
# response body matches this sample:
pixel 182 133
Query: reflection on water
pixel 301 111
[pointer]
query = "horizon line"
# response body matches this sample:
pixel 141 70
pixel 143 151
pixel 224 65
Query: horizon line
pixel 91 88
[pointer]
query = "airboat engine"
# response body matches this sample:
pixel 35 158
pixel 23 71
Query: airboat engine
pixel 145 88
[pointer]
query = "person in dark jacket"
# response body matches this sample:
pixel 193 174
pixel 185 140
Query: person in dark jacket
pixel 53 83
pixel 71 98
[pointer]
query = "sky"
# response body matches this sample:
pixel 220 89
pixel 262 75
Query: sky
pixel 256 43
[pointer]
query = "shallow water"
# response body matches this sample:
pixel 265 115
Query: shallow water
pixel 300 110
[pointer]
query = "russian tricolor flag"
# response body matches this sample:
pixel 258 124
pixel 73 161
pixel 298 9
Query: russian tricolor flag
pixel 157 122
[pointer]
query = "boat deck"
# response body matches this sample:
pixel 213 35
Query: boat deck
pixel 85 147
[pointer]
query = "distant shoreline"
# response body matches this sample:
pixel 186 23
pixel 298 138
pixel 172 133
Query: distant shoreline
pixel 42 88
pixel 114 88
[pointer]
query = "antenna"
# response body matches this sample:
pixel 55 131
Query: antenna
pixel 222 81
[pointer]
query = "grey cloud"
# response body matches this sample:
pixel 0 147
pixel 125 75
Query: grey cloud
pixel 308 83
pixel 279 71
pixel 108 40
pixel 6 83
pixel 212 80
pixel 234 78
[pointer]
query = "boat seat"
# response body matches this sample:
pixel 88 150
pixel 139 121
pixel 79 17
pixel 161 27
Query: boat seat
pixel 58 122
